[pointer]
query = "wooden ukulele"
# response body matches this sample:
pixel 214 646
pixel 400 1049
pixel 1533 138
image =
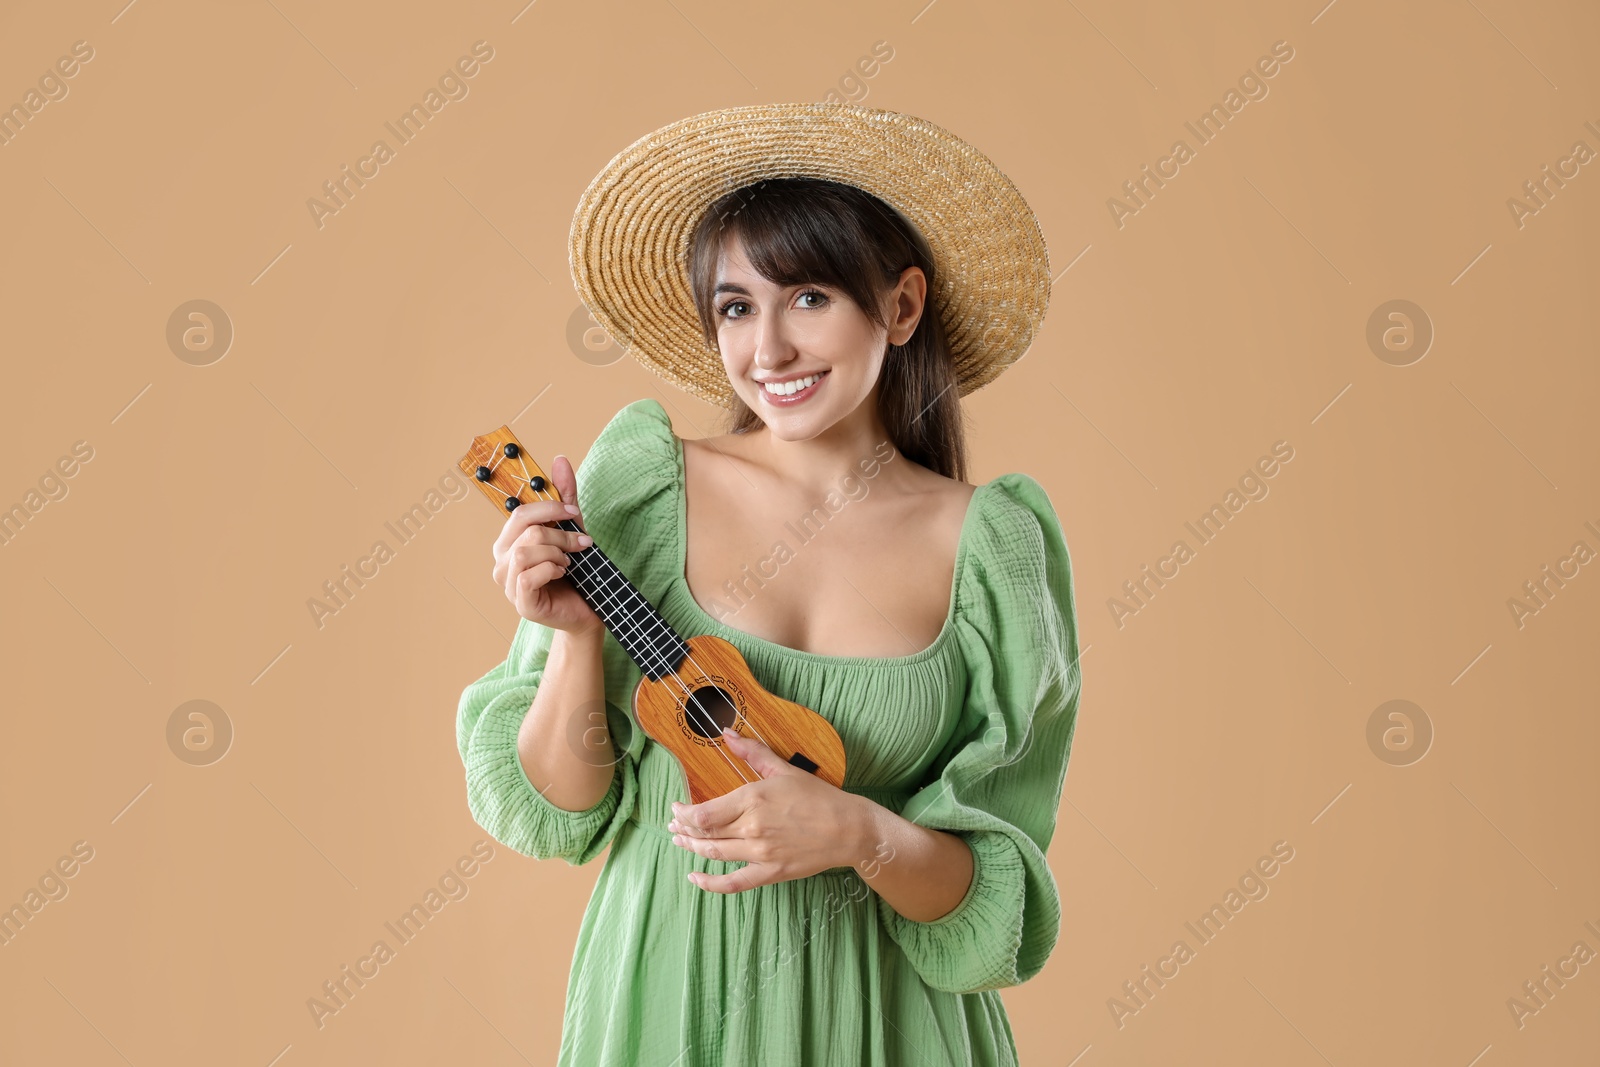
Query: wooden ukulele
pixel 692 688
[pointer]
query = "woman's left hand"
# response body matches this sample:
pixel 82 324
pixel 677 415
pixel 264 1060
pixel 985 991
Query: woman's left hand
pixel 789 824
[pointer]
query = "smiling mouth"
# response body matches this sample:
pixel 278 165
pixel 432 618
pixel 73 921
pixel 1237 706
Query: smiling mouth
pixel 791 390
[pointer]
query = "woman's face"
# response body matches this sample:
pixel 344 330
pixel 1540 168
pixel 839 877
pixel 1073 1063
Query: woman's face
pixel 792 334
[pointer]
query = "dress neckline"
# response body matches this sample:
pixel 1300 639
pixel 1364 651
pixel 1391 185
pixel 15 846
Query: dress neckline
pixel 680 577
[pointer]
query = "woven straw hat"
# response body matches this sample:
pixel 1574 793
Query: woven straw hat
pixel 629 245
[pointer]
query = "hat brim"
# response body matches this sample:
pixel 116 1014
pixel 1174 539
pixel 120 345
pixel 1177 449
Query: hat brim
pixel 629 243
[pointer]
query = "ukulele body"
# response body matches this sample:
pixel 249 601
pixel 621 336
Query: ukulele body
pixel 726 694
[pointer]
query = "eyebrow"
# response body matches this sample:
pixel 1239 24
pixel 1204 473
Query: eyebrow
pixel 735 287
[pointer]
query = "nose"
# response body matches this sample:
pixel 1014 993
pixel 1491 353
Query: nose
pixel 773 348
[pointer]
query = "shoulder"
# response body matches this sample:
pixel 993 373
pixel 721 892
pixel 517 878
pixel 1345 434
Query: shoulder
pixel 1017 529
pixel 630 470
pixel 641 429
pixel 937 500
pixel 1017 569
pixel 637 444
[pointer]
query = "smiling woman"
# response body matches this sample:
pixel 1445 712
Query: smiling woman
pixel 791 920
pixel 860 277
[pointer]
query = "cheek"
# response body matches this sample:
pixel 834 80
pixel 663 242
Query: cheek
pixel 734 350
pixel 855 346
pixel 860 355
pixel 734 363
pixel 726 349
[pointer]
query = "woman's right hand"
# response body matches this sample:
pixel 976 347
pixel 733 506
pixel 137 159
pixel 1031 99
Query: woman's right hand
pixel 530 558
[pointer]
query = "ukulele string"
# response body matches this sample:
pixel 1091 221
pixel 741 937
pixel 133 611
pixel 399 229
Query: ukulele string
pixel 588 570
pixel 709 720
pixel 585 569
pixel 613 599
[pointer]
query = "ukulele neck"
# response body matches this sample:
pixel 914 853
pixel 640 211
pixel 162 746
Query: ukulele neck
pixel 647 637
pixel 499 465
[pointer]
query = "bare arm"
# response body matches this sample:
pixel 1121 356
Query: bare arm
pixel 564 740
pixel 922 874
pixel 563 744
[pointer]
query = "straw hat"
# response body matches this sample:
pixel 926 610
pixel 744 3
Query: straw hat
pixel 629 245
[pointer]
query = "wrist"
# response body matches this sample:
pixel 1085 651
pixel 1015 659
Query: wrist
pixel 865 831
pixel 584 643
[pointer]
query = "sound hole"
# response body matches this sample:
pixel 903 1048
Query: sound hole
pixel 709 711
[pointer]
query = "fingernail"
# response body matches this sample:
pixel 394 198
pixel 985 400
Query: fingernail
pixel 674 827
pixel 584 540
pixel 728 731
pixel 572 509
pixel 677 839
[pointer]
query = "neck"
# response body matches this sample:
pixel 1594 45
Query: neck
pixel 818 464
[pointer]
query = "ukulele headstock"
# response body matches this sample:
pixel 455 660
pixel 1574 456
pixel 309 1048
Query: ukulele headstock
pixel 500 466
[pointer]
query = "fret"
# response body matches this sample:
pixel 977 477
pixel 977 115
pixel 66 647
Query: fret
pixel 502 471
pixel 646 636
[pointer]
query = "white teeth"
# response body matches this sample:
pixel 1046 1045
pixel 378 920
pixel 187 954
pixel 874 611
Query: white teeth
pixel 789 388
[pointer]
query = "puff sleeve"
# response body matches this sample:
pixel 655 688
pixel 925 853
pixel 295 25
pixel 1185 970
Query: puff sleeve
pixel 998 781
pixel 622 485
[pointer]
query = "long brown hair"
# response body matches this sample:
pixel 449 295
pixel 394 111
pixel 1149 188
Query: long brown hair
pixel 809 230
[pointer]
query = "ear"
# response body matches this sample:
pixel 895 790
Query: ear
pixel 908 301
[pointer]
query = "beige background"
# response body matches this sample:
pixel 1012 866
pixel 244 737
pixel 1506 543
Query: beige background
pixel 1230 312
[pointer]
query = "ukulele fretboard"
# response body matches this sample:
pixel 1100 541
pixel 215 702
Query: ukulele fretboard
pixel 647 637
pixel 500 466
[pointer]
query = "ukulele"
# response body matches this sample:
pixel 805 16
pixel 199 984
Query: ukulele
pixel 692 687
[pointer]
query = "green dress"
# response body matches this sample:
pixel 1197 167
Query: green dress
pixel 970 735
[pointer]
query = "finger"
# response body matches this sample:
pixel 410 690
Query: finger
pixel 565 479
pixel 525 560
pixel 762 760
pixel 709 817
pixel 530 581
pixel 726 849
pixel 569 540
pixel 533 513
pixel 521 557
pixel 747 877
pixel 524 556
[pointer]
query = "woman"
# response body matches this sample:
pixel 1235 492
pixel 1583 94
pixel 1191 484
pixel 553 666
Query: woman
pixel 831 537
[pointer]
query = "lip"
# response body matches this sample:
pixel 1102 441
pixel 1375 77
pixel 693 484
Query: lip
pixel 793 398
